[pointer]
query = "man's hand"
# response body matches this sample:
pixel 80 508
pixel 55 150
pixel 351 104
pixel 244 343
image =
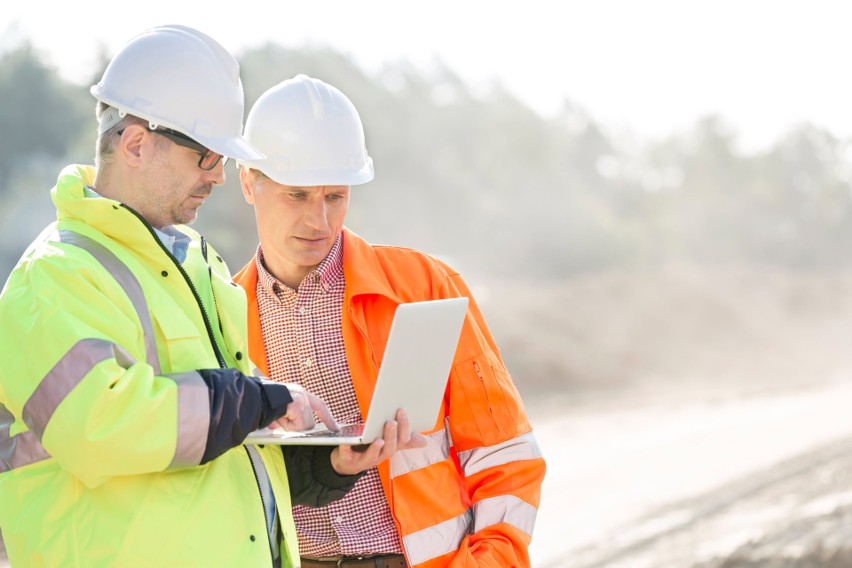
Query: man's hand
pixel 300 412
pixel 349 460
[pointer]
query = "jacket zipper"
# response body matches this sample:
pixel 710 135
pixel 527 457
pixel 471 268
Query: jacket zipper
pixel 390 499
pixel 213 344
pixel 192 288
pixel 478 370
pixel 366 339
pixel 212 288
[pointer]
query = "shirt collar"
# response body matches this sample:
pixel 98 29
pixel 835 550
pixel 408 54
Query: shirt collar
pixel 174 240
pixel 329 272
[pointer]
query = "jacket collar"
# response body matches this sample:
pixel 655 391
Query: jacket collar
pixel 362 270
pixel 106 215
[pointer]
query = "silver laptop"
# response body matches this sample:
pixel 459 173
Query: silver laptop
pixel 413 375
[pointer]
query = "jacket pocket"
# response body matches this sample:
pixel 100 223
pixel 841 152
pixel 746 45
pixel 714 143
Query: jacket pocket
pixel 482 386
pixel 182 346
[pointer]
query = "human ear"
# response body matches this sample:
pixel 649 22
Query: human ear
pixel 131 143
pixel 247 185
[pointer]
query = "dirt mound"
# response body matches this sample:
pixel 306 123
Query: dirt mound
pixel 797 514
pixel 816 558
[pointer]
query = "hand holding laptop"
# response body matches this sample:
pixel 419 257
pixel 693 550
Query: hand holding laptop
pixel 397 435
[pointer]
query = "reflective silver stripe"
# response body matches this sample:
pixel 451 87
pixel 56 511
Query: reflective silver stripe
pixel 127 281
pixel 521 448
pixel 20 450
pixel 504 509
pixel 124 359
pixel 437 540
pixel 437 449
pixel 193 420
pixel 445 537
pixel 447 430
pixel 66 374
pixel 61 380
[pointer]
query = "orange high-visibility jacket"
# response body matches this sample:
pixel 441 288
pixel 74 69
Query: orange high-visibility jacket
pixel 470 497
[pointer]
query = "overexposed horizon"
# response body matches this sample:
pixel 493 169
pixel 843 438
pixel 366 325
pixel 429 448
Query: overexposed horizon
pixel 649 69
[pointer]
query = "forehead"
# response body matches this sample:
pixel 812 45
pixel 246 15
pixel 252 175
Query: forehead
pixel 312 189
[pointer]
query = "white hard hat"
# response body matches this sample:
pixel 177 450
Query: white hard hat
pixel 179 78
pixel 311 134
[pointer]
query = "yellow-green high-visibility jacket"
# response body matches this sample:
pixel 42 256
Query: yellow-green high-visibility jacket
pixel 103 415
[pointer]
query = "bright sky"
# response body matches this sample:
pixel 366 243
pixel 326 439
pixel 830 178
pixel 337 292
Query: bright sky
pixel 650 67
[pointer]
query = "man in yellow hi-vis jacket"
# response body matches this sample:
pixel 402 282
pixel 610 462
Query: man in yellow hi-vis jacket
pixel 127 390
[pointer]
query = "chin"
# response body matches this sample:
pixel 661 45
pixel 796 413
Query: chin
pixel 187 219
pixel 312 259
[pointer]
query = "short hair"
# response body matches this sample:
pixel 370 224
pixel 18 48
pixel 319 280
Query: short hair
pixel 255 175
pixel 105 144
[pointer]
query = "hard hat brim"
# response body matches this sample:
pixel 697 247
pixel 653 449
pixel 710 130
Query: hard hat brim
pixel 312 178
pixel 235 148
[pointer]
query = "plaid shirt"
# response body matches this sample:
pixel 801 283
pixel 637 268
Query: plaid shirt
pixel 302 334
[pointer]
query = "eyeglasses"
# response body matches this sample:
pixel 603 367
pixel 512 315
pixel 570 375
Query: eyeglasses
pixel 208 159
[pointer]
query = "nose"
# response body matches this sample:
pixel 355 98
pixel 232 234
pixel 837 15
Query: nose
pixel 315 214
pixel 216 176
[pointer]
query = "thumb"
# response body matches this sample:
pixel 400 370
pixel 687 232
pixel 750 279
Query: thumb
pixel 417 441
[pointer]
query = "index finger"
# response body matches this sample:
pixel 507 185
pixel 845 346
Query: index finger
pixel 403 432
pixel 323 413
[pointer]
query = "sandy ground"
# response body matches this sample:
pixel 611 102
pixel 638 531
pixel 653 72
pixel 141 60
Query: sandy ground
pixel 760 481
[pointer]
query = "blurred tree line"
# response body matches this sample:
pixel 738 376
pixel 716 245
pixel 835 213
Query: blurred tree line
pixel 481 179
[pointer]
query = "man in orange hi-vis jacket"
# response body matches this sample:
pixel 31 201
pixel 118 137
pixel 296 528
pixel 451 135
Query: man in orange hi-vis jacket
pixel 321 301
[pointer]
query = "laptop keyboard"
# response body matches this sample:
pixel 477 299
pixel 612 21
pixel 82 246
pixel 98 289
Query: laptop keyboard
pixel 346 430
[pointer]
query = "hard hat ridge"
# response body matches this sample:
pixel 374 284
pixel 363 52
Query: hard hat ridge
pixel 311 134
pixel 180 78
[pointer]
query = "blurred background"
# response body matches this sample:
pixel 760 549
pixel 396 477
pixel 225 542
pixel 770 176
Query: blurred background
pixel 651 202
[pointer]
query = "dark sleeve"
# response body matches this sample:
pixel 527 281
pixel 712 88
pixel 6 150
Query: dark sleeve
pixel 239 405
pixel 313 481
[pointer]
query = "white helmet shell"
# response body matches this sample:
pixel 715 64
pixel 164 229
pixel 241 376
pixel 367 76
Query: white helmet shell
pixel 177 77
pixel 311 134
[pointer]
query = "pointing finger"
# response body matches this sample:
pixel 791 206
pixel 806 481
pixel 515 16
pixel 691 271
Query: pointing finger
pixel 321 410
